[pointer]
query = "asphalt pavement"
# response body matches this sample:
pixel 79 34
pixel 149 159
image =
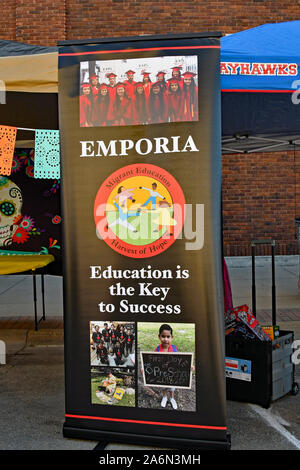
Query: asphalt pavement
pixel 32 380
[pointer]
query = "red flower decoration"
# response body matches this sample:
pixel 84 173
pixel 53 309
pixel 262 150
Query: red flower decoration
pixel 31 155
pixel 18 219
pixel 56 219
pixel 20 236
pixel 30 171
pixel 52 242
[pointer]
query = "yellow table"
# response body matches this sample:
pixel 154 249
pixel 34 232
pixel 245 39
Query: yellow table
pixel 14 263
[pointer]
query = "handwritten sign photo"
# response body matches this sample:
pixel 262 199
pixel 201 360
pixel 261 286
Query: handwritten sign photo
pixel 167 370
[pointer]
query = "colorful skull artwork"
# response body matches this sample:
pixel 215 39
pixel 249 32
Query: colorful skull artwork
pixel 10 209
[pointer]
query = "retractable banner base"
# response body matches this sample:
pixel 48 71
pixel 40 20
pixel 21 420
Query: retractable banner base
pixel 140 439
pixel 140 135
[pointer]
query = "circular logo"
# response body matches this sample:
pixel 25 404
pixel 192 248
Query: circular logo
pixel 139 210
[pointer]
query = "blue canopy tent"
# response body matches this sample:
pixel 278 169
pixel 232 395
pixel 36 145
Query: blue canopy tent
pixel 260 81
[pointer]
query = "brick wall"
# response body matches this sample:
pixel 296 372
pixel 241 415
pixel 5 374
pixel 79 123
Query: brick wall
pixel 45 22
pixel 40 22
pixel 8 21
pixel 260 191
pixel 132 17
pixel 260 200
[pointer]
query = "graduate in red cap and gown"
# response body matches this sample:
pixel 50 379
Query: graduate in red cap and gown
pixel 158 105
pixel 190 98
pixel 94 81
pixel 120 113
pixel 100 106
pixel 111 85
pixel 147 83
pixel 111 90
pixel 161 80
pixel 140 105
pixel 176 74
pixel 174 100
pixel 85 105
pixel 130 83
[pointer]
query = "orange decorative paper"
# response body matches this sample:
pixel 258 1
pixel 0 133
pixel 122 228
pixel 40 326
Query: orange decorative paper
pixel 7 148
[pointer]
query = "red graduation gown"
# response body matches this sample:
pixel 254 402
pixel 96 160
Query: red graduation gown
pixel 85 111
pixel 121 112
pixel 174 106
pixel 190 106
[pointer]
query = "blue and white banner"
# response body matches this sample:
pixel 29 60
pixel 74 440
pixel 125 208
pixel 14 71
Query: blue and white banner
pixel 262 59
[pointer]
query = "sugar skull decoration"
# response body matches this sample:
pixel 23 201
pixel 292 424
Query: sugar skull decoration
pixel 10 210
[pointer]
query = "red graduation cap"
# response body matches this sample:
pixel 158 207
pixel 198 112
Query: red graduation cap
pixel 110 74
pixel 85 85
pixel 161 74
pixel 177 68
pixel 103 85
pixel 120 85
pixel 93 76
pixel 146 74
pixel 173 80
pixel 129 71
pixel 158 83
pixel 189 74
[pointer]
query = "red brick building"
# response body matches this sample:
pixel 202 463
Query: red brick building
pixel 261 192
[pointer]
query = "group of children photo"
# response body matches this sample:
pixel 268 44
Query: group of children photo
pixel 112 344
pixel 136 96
pixel 113 367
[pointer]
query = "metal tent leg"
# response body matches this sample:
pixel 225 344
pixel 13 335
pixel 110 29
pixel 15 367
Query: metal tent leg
pixel 43 295
pixel 36 321
pixel 34 300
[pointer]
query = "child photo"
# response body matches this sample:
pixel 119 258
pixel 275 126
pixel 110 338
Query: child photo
pixel 112 343
pixel 170 339
pixel 112 386
pixel 144 91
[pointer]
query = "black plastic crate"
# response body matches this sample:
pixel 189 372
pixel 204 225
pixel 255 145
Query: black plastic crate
pixel 271 370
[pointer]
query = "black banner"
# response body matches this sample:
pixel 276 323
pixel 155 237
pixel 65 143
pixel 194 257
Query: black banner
pixel 141 163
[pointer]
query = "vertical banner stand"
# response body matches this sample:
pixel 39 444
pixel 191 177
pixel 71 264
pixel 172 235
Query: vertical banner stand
pixel 140 137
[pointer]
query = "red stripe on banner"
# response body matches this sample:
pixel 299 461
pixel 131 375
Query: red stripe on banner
pixel 221 428
pixel 233 366
pixel 260 91
pixel 140 50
